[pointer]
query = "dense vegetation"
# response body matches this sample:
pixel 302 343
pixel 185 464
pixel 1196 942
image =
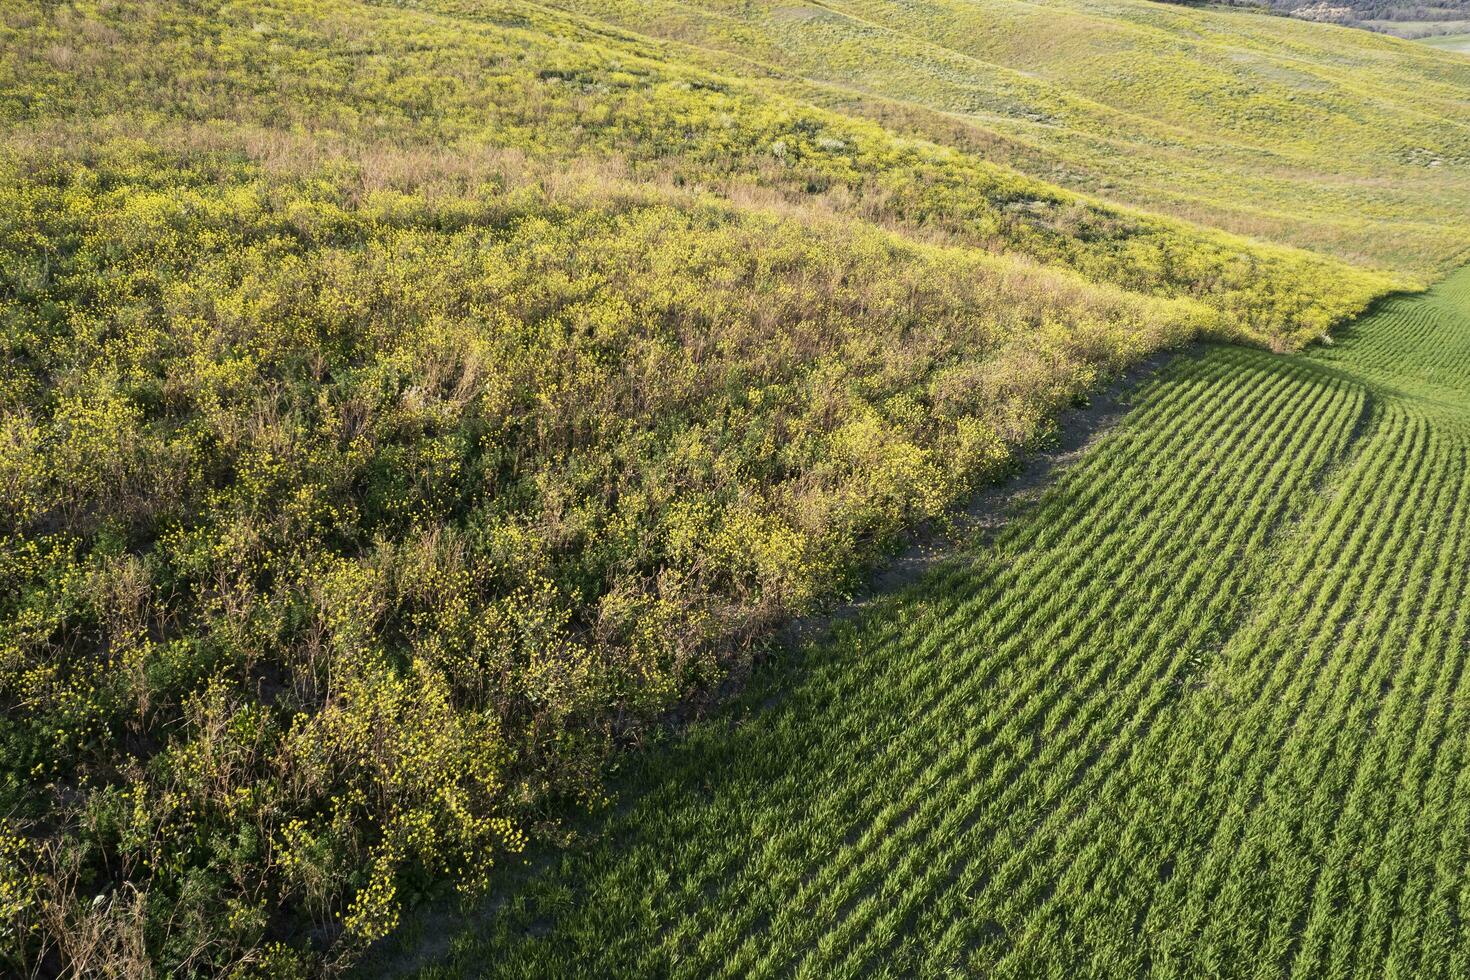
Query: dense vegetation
pixel 1401 19
pixel 1348 143
pixel 1198 710
pixel 401 408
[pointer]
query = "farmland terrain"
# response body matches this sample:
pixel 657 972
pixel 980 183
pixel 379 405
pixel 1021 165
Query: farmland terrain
pixel 1458 42
pixel 407 407
pixel 1198 709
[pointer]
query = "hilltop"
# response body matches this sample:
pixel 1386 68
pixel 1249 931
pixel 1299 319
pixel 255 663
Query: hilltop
pixel 1343 142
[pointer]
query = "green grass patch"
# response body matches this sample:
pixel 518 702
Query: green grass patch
pixel 1341 141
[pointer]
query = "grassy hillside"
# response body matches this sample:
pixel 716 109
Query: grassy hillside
pixel 404 406
pixel 1342 141
pixel 1198 710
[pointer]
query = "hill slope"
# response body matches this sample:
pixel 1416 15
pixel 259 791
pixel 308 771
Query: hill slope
pixel 1354 144
pixel 405 405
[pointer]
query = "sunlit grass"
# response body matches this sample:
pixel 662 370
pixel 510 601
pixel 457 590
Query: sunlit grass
pixel 1329 138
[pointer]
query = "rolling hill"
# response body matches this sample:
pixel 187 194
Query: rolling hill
pixel 1338 141
pixel 408 406
pixel 1196 709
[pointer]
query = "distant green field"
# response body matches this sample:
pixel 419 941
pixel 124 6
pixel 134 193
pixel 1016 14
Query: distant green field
pixel 1449 42
pixel 1199 710
pixel 1341 141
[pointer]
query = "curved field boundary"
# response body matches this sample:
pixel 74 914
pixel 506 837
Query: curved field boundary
pixel 1198 709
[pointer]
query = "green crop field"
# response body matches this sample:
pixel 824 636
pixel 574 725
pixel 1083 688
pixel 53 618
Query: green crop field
pixel 412 409
pixel 1449 42
pixel 1200 709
